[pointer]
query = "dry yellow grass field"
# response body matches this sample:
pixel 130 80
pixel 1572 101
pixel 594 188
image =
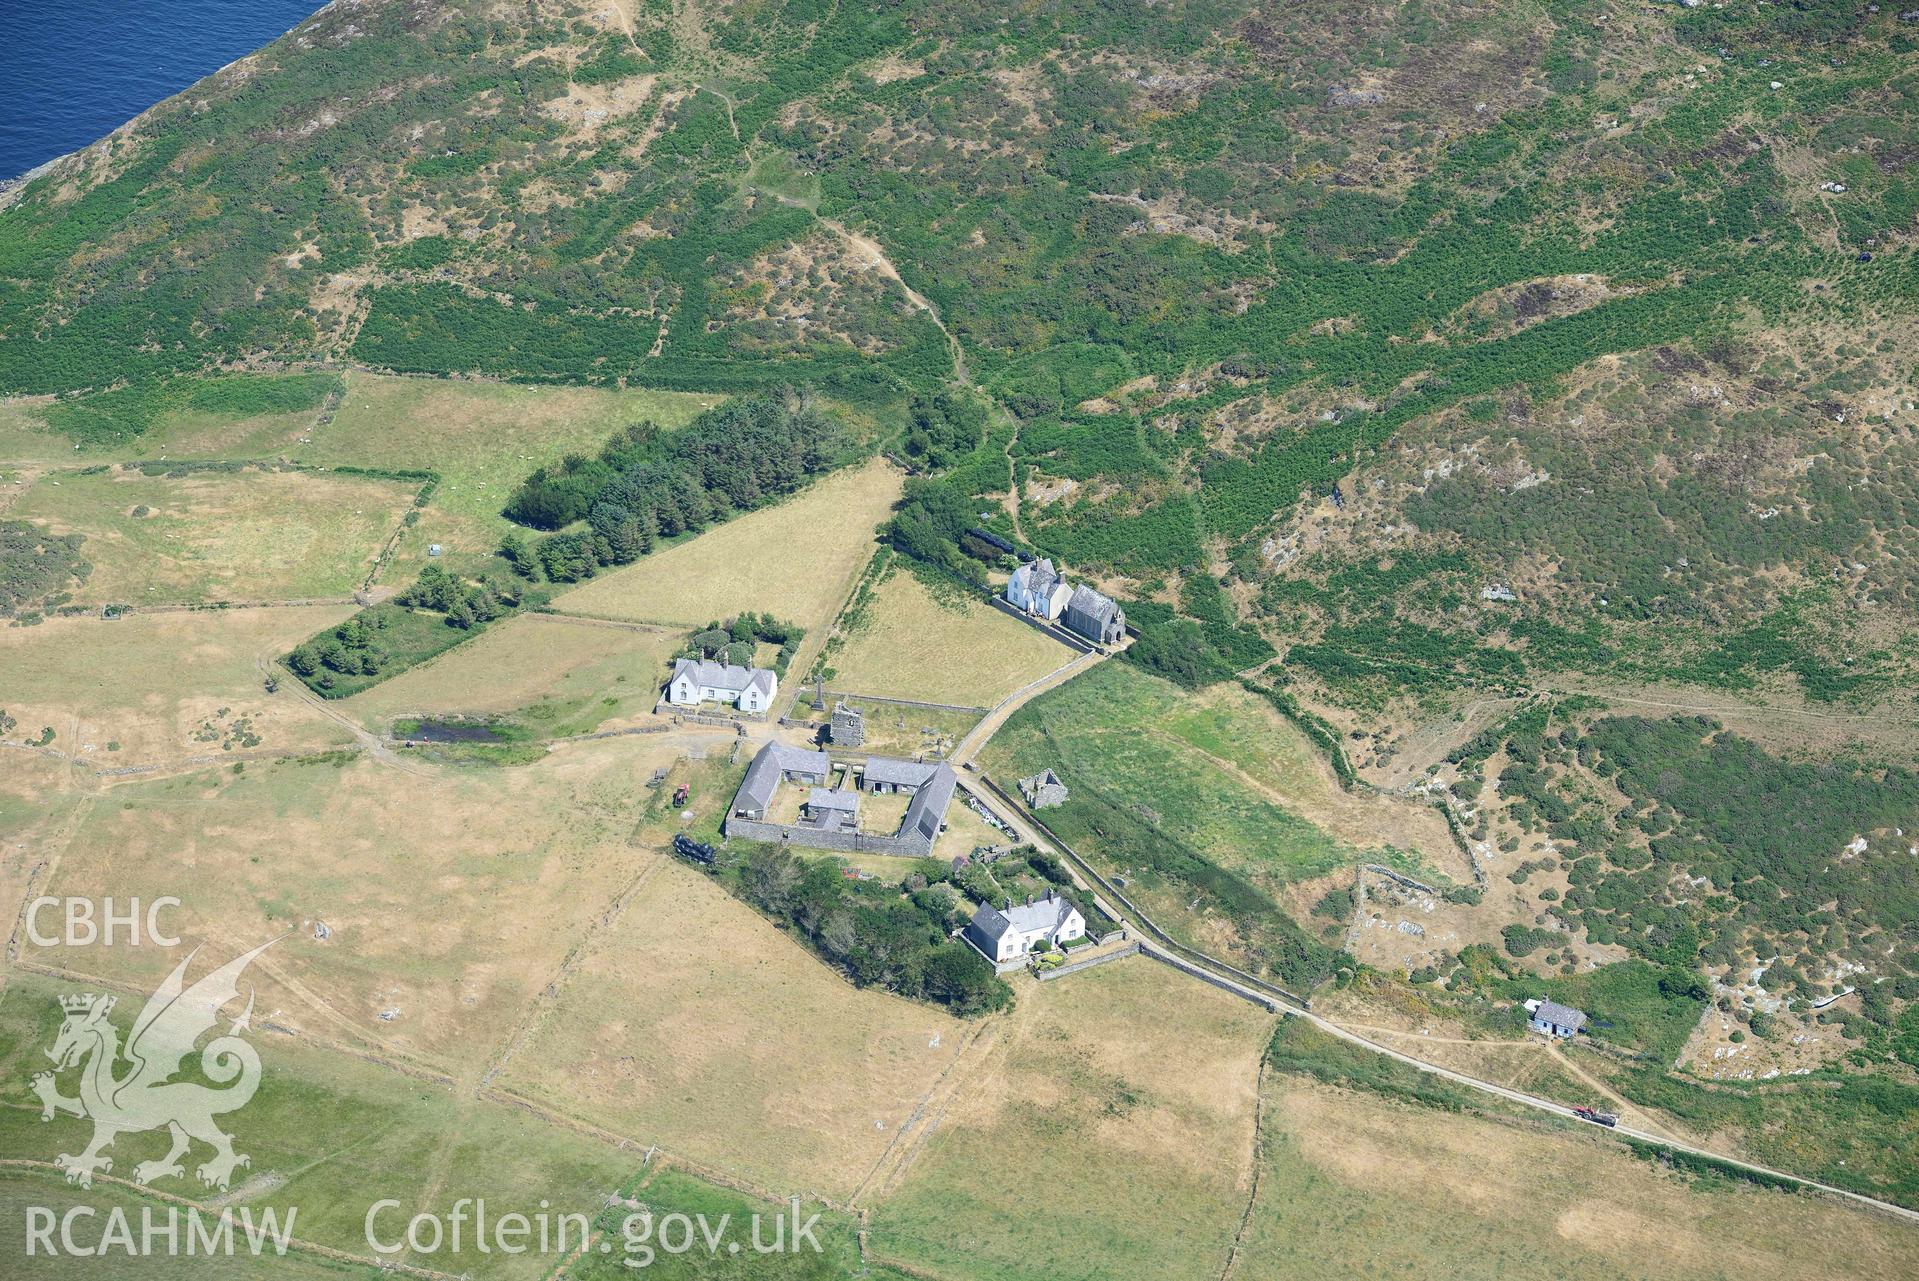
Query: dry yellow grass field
pixel 795 561
pixel 35 808
pixel 910 644
pixel 965 832
pixel 449 896
pixel 1108 1132
pixel 1354 1184
pixel 883 813
pixel 568 672
pixel 203 435
pixel 327 1135
pixel 696 1024
pixel 152 682
pixel 174 433
pixel 893 729
pixel 244 535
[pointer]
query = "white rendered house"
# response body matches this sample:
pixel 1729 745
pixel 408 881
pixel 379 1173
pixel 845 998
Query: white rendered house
pixel 1007 934
pixel 1038 589
pixel 751 689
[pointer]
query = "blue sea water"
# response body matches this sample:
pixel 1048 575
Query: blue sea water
pixel 73 71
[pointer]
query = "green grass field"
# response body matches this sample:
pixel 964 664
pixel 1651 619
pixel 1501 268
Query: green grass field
pixel 775 174
pixel 212 417
pixel 1355 1185
pixel 25 437
pixel 482 438
pixel 1130 738
pixel 638 1250
pixel 1203 846
pixel 25 1192
pixel 409 638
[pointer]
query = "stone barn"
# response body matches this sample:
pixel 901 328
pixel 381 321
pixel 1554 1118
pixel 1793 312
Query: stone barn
pixel 1094 616
pixel 777 763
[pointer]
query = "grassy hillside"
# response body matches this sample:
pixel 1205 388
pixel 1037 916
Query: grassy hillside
pixel 1605 305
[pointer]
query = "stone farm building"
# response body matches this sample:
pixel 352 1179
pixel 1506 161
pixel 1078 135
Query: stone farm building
pixel 832 809
pixel 777 763
pixel 1038 589
pixel 1006 934
pixel 829 817
pixel 1095 616
pixel 1043 790
pixel 696 681
pixel 1549 1018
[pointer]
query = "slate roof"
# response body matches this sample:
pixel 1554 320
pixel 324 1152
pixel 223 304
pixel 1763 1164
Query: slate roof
pixel 1038 577
pixel 763 775
pixel 1560 1015
pixel 798 760
pixel 927 809
pixel 1091 605
pixel 896 773
pixel 1047 914
pixel 833 798
pixel 727 676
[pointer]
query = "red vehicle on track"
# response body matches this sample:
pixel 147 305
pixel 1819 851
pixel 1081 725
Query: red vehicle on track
pixel 1596 1116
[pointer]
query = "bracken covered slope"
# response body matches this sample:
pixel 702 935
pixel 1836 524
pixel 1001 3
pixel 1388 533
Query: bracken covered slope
pixel 1609 306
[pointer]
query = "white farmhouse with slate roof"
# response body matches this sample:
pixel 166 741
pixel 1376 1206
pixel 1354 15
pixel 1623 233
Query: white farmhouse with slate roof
pixel 1550 1018
pixel 1038 589
pixel 1007 934
pixel 696 681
